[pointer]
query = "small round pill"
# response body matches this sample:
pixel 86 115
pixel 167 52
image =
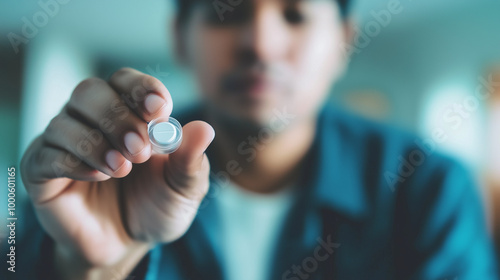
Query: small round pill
pixel 164 133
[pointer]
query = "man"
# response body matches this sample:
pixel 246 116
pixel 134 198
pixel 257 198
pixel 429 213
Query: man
pixel 296 189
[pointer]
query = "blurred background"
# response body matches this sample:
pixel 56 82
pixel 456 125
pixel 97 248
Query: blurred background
pixel 432 68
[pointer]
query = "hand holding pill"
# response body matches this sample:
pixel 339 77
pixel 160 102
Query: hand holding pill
pixel 113 151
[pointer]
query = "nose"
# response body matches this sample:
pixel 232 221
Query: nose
pixel 266 37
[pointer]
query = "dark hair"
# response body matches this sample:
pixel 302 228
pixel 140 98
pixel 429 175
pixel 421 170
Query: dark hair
pixel 184 7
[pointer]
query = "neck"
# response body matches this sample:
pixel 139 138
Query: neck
pixel 263 164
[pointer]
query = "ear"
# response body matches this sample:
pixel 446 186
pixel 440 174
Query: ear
pixel 349 36
pixel 179 41
pixel 349 31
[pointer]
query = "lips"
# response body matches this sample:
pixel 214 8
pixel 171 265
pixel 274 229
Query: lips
pixel 254 86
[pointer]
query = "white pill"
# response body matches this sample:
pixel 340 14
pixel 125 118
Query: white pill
pixel 164 133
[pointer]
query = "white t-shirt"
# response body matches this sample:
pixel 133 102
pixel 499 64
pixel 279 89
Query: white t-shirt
pixel 250 227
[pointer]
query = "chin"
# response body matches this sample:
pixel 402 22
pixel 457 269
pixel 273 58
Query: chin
pixel 243 117
pixel 253 117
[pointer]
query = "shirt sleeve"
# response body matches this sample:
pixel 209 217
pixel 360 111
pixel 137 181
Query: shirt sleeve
pixel 443 232
pixel 35 253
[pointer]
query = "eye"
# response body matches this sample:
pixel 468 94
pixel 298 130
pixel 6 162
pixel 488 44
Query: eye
pixel 293 16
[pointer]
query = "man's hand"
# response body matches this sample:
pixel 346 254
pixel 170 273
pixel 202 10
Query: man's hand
pixel 97 188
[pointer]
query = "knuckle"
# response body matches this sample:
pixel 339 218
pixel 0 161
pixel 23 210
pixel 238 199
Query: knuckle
pixel 85 87
pixel 51 130
pixel 27 159
pixel 151 83
pixel 114 110
pixel 56 127
pixel 54 124
pixel 117 121
pixel 88 142
pixel 120 73
pixel 39 157
pixel 87 84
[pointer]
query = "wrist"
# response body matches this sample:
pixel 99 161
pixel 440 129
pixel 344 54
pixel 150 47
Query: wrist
pixel 69 265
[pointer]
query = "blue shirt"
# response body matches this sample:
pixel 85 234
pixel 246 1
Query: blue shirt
pixel 375 204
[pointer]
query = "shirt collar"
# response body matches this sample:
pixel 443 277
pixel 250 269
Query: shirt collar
pixel 332 171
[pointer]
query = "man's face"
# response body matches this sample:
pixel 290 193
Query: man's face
pixel 264 55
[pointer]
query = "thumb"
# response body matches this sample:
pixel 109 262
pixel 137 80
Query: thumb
pixel 184 167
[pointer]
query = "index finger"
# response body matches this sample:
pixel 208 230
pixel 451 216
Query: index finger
pixel 144 94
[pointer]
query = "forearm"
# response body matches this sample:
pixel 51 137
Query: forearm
pixel 68 266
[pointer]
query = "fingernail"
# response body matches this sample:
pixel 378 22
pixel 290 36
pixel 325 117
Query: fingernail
pixel 154 103
pixel 133 143
pixel 211 140
pixel 213 135
pixel 113 159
